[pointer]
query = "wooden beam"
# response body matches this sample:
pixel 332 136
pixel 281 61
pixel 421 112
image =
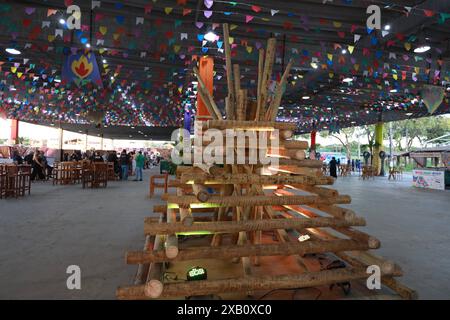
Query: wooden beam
pixel 321 191
pixel 255 179
pixel 248 125
pixel 258 91
pixel 142 271
pixel 244 201
pixel 307 163
pixel 250 283
pixel 163 208
pixel 266 76
pixel 171 244
pixel 212 105
pixel 294 144
pixel 231 94
pixel 249 225
pixel 232 251
pixel 271 114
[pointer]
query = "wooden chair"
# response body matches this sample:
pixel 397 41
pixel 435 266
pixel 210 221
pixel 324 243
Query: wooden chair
pixel 154 184
pixel 95 175
pixel 25 179
pixel 367 172
pixel 111 173
pixel 399 174
pixel 62 173
pixel 393 173
pixel 3 181
pixel 345 169
pixel 100 175
pixel 54 172
pixel 13 181
pixel 86 175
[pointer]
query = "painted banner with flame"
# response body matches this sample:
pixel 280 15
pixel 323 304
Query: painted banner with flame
pixel 81 68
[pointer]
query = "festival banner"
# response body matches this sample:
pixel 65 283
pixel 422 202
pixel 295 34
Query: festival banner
pixel 81 68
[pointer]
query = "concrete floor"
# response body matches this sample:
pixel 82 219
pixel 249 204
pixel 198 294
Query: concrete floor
pixel 413 226
pixel 57 226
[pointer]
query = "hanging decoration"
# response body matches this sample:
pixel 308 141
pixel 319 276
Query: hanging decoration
pixel 81 68
pixel 432 96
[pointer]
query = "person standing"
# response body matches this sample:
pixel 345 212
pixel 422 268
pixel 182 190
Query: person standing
pixel 37 167
pixel 133 163
pixel 97 157
pixel 140 160
pixel 124 164
pixel 333 167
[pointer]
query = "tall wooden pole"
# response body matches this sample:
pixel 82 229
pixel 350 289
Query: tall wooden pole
pixel 206 72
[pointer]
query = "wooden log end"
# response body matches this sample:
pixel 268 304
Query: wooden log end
pixel 349 216
pixel 360 221
pixel 203 196
pixel 188 221
pixel 286 134
pixel 373 243
pixel 171 251
pixel 388 267
pixel 153 288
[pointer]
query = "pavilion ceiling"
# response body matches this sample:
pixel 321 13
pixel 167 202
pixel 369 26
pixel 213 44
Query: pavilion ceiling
pixel 146 50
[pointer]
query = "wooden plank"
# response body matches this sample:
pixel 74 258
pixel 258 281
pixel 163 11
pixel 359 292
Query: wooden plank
pixel 244 201
pixel 232 251
pixel 254 179
pixel 249 125
pixel 249 225
pixel 254 283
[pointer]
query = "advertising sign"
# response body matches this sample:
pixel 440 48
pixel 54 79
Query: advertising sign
pixel 429 179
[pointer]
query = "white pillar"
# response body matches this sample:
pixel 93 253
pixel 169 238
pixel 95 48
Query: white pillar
pixel 86 141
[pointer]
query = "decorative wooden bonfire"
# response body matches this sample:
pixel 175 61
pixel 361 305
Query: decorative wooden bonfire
pixel 277 222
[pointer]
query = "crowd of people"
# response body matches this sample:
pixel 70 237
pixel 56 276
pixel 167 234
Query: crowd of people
pixel 125 164
pixel 354 165
pixel 38 161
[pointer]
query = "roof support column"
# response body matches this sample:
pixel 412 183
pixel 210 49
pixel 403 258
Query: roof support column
pixel 312 154
pixel 378 147
pixel 14 131
pixel 61 142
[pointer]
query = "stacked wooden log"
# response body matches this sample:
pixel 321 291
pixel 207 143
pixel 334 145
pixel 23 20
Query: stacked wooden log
pixel 236 205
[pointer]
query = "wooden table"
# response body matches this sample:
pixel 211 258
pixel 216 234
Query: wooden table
pixel 395 174
pixel 344 170
pixel 67 172
pixel 367 172
pixel 95 175
pixel 15 180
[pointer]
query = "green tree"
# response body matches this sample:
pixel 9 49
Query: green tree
pixel 436 127
pixel 422 129
pixel 344 137
pixel 369 132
